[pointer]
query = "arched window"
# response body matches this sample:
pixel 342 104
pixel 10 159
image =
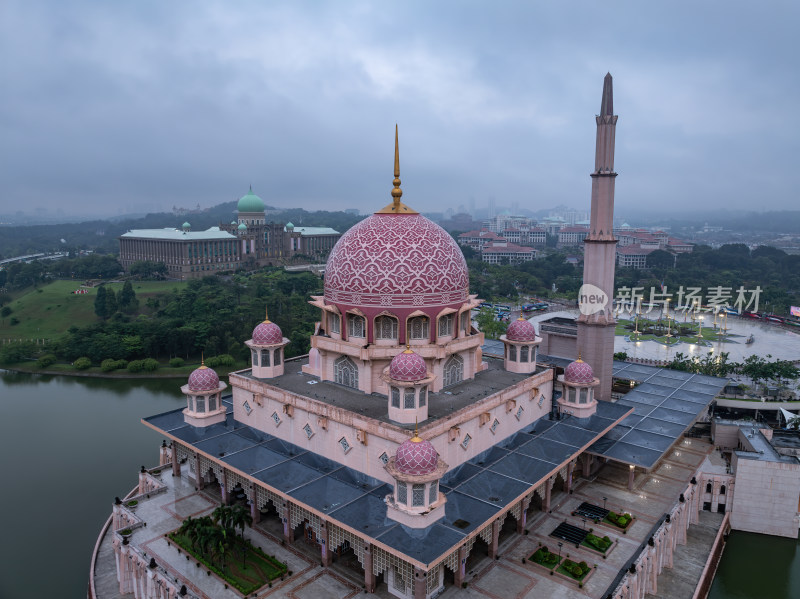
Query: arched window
pixel 254 355
pixel 453 370
pixel 465 322
pixel 408 398
pixel 722 490
pixel 709 488
pixel 418 327
pixel 418 495
pixel 512 353
pixel 523 353
pixel 277 359
pixel 346 372
pixel 356 326
pixel 446 325
pixel 402 492
pixel 265 357
pixel 583 396
pixel 386 327
pixel 571 394
pixel 423 397
pixel 212 403
pixel 395 397
pixel 434 492
pixel 334 323
pixel 201 403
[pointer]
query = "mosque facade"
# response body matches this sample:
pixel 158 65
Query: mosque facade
pixel 396 439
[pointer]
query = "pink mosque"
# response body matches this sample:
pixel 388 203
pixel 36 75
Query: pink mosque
pixel 396 439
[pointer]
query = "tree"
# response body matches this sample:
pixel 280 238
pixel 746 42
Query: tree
pixel 127 299
pixel 111 302
pixel 100 305
pixel 240 517
pixel 660 259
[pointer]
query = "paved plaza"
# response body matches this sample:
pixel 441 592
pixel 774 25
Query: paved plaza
pixel 508 577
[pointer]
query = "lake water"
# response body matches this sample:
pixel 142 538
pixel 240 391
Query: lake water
pixel 70 445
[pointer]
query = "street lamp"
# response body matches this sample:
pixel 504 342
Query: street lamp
pixel 560 544
pixel 604 502
pixel 584 523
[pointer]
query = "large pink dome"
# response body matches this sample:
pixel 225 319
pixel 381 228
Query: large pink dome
pixel 408 366
pixel 267 333
pixel 396 260
pixel 521 330
pixel 579 372
pixel 203 379
pixel 416 456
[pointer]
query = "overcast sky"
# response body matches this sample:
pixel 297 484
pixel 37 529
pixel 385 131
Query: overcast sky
pixel 110 107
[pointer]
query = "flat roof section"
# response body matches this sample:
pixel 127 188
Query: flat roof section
pixel 374 405
pixel 476 491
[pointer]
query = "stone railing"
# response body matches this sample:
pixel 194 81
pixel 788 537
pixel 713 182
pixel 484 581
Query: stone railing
pixel 707 577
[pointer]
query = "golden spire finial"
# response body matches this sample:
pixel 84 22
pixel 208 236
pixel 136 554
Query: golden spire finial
pixel 408 348
pixel 579 357
pixel 266 315
pixel 397 193
pixel 203 360
pixel 416 438
pixel 396 207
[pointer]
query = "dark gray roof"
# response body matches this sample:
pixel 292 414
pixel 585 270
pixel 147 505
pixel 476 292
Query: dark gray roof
pixel 476 491
pixel 665 404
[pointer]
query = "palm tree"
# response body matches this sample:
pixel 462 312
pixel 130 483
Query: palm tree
pixel 222 516
pixel 240 517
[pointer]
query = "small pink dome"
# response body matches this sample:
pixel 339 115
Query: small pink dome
pixel 416 456
pixel 203 379
pixel 408 366
pixel 521 330
pixel 579 372
pixel 267 333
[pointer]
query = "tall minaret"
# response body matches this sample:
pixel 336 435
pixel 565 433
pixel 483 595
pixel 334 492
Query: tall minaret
pixel 596 325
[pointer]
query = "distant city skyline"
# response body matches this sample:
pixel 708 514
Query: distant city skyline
pixel 110 107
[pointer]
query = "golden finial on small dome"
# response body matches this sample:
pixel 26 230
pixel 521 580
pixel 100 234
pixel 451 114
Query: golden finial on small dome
pixel 202 360
pixel 416 438
pixel 408 348
pixel 266 315
pixel 396 207
pixel 579 357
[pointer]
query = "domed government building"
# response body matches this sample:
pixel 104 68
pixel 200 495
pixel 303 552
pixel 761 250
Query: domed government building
pixel 249 241
pixel 398 453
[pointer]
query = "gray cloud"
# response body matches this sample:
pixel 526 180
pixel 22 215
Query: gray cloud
pixel 108 106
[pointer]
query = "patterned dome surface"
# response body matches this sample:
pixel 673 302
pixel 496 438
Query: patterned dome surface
pixel 521 330
pixel 579 372
pixel 203 379
pixel 416 456
pixel 408 366
pixel 400 260
pixel 250 202
pixel 267 333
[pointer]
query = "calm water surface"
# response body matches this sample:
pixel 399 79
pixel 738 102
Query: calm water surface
pixel 70 445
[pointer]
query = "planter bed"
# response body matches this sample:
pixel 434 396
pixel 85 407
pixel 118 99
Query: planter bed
pixel 543 551
pixel 562 571
pixel 587 545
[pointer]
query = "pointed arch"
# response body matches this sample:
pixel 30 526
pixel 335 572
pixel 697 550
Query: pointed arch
pixel 453 371
pixel 345 372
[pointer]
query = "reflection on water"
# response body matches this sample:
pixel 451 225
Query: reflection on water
pixel 69 446
pixel 768 338
pixel 758 567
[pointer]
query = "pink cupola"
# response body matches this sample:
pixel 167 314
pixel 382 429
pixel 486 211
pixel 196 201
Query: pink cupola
pixel 203 393
pixel 521 346
pixel 416 469
pixel 266 349
pixel 578 383
pixel 407 379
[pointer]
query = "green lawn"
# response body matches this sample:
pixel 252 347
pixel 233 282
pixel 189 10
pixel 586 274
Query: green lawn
pixel 258 568
pixel 48 311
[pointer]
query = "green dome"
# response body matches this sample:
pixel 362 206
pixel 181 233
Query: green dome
pixel 186 225
pixel 233 222
pixel 289 225
pixel 250 202
pixel 243 227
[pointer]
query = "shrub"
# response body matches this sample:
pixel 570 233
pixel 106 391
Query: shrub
pixel 82 363
pixel 135 366
pixel 212 362
pixel 46 360
pixel 108 365
pixel 150 364
pixel 226 360
pixel 176 362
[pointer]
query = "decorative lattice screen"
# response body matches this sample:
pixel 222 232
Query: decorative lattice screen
pixel 298 514
pixel 264 496
pixel 432 582
pixel 383 560
pixel 337 536
pixel 234 478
